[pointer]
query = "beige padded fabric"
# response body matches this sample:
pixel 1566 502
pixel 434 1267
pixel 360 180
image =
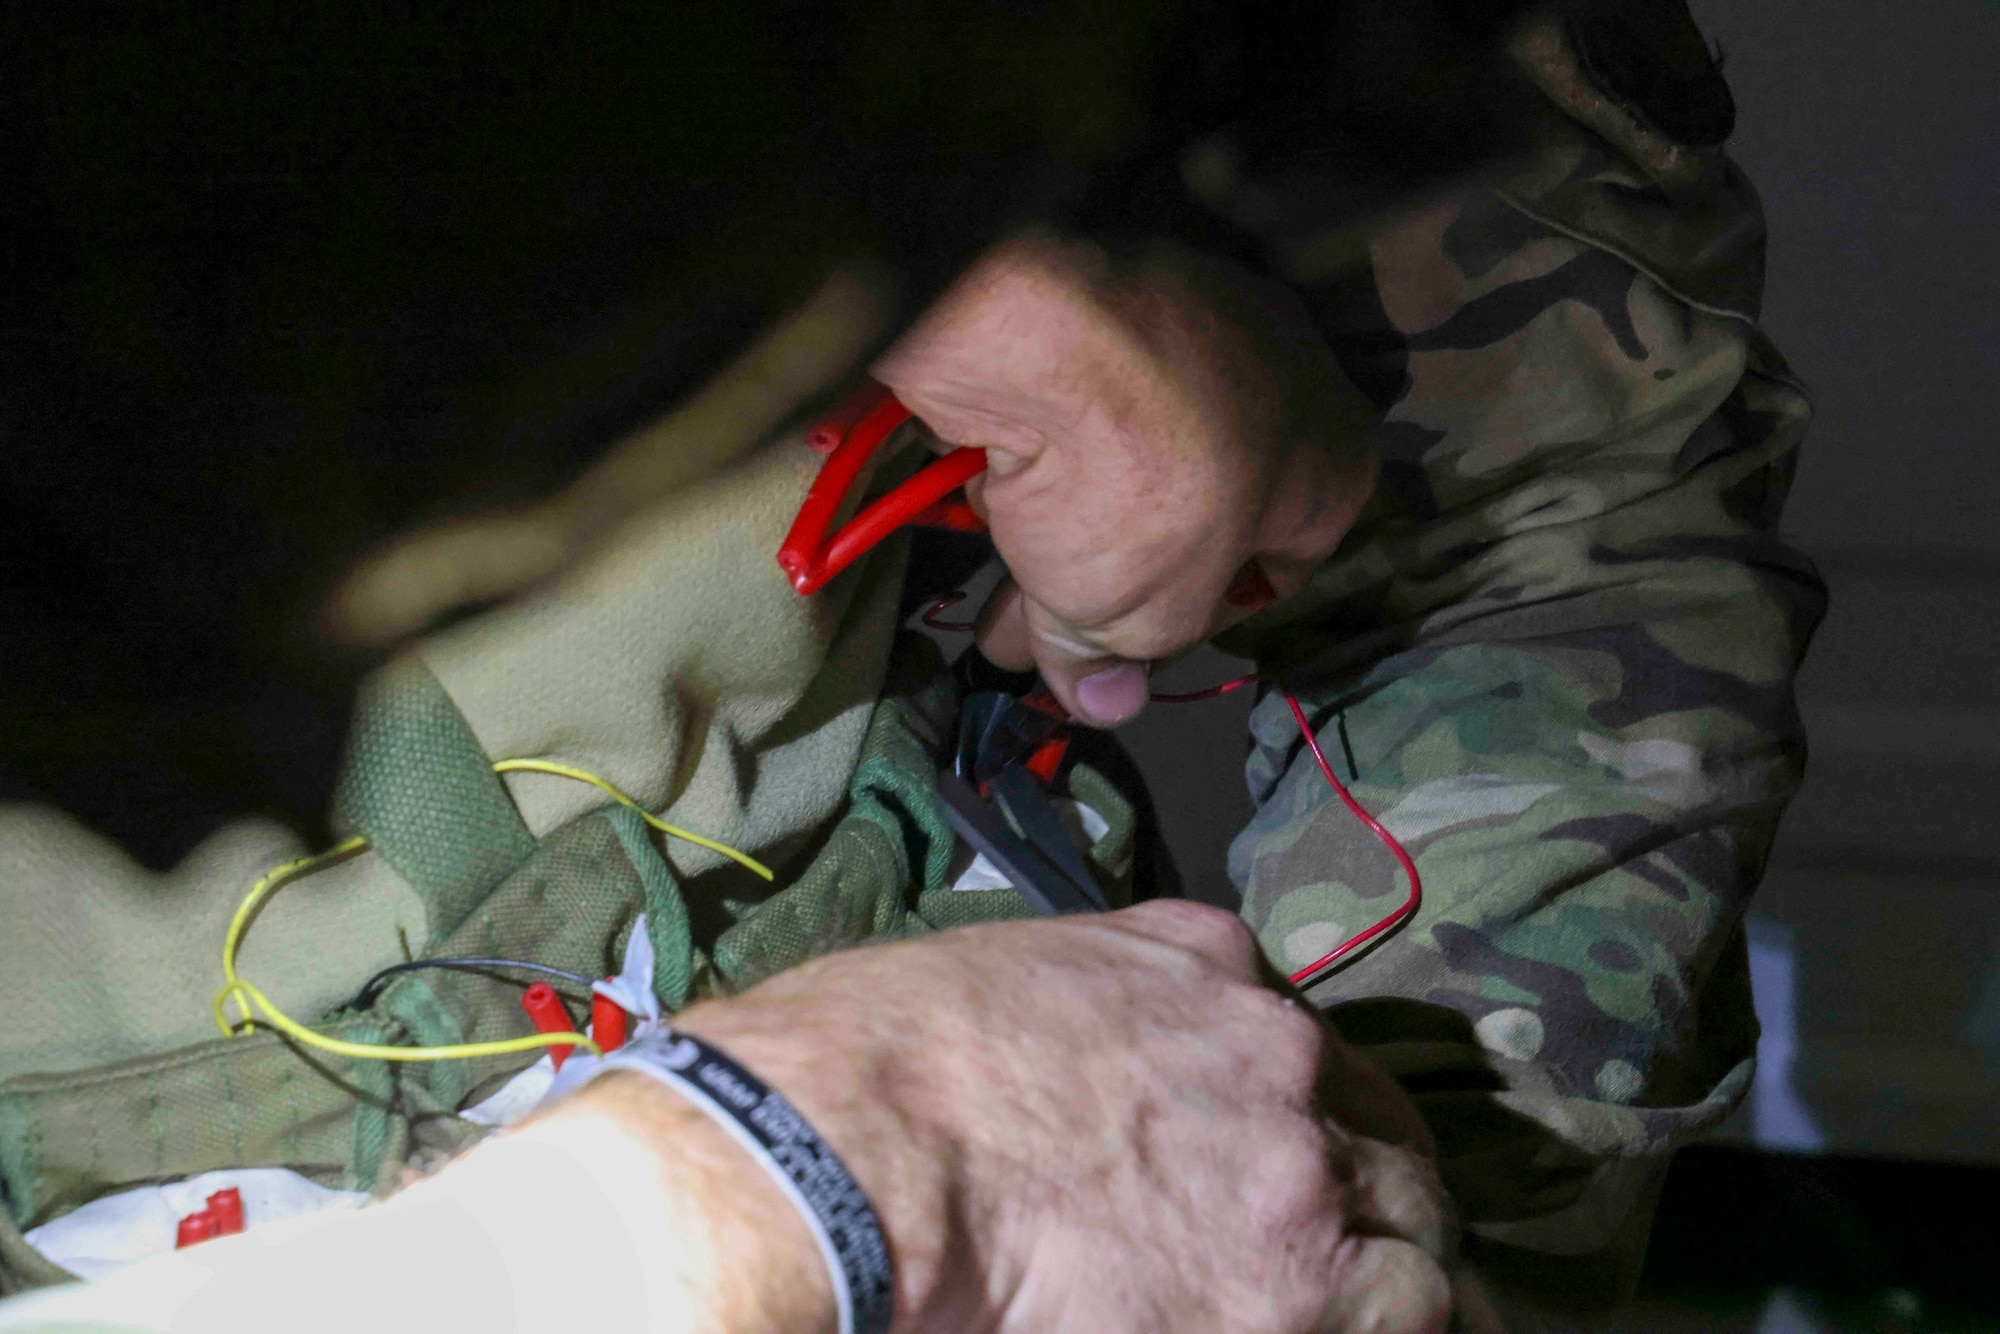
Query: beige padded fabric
pixel 673 658
pixel 102 960
pixel 676 663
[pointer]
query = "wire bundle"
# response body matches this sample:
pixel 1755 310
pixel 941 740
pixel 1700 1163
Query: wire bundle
pixel 257 1008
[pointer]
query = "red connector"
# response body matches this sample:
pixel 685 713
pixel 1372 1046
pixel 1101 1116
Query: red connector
pixel 548 1014
pixel 227 1206
pixel 221 1217
pixel 607 1021
pixel 196 1227
pixel 1047 758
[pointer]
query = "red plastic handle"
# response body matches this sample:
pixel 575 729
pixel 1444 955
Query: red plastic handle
pixel 549 1015
pixel 810 558
pixel 607 1021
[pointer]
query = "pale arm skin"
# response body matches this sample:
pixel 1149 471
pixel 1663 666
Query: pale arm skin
pixel 1104 1124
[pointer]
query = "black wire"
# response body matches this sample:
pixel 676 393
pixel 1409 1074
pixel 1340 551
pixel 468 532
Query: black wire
pixel 1347 748
pixel 374 984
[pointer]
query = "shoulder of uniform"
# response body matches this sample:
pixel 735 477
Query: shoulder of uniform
pixel 1650 58
pixel 1637 72
pixel 1630 154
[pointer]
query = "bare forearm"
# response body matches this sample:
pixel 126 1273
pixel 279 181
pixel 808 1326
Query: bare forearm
pixel 622 1209
pixel 1103 1123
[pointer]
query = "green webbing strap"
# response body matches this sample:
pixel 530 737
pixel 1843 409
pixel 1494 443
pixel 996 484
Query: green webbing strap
pixel 419 786
pixel 666 911
pixel 22 1267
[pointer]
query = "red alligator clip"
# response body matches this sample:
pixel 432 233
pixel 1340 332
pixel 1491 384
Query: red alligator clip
pixel 860 425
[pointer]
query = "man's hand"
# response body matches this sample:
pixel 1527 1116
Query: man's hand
pixel 1149 430
pixel 1103 1124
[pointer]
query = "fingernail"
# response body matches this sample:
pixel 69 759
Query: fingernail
pixel 1114 695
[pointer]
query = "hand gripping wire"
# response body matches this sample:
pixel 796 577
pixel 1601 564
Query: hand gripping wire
pixel 257 1008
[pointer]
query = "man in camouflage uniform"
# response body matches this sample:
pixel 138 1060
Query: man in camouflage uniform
pixel 1556 659
pixel 1553 653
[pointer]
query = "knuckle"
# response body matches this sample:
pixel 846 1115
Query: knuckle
pixel 1227 925
pixel 1289 1040
pixel 1196 926
pixel 1400 1191
pixel 1386 1286
pixel 1294 1171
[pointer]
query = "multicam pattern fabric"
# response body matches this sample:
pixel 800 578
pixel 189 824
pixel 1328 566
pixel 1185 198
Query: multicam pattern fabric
pixel 1556 658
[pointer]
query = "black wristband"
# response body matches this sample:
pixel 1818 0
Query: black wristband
pixel 805 1167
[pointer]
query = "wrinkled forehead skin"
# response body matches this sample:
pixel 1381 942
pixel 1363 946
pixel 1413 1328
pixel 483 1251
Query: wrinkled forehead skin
pixel 294 289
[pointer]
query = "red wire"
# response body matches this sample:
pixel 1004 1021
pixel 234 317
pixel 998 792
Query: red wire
pixel 1206 692
pixel 938 604
pixel 937 480
pixel 1394 919
pixel 810 558
pixel 825 437
pixel 803 555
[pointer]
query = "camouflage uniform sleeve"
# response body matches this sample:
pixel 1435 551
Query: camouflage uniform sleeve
pixel 1556 660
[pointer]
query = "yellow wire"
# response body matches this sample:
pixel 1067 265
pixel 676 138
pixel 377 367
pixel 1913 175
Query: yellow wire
pixel 611 790
pixel 270 880
pixel 252 1001
pixel 247 995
